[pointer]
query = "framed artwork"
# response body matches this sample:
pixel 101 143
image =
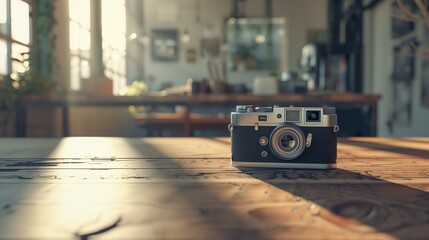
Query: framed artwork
pixel 255 44
pixel 210 46
pixel 191 55
pixel 165 45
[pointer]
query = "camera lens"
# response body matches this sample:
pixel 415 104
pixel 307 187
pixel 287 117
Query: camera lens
pixel 287 141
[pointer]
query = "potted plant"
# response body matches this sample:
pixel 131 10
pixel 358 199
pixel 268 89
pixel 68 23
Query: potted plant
pixel 17 85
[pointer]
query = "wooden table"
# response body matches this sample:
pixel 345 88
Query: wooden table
pixel 185 188
pixel 367 104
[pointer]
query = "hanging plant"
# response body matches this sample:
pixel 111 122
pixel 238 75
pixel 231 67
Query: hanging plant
pixel 43 61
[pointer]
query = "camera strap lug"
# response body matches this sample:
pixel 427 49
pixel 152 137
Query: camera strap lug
pixel 256 126
pixel 336 128
pixel 308 140
pixel 230 127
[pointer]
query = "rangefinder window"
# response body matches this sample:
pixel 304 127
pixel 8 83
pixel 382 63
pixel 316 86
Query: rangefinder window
pixel 313 116
pixel 293 115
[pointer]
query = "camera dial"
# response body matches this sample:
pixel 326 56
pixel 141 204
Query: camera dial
pixel 287 141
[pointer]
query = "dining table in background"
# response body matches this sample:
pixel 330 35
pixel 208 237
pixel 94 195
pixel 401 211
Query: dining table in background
pixel 365 105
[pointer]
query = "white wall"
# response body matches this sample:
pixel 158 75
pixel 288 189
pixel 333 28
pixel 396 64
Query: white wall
pixel 378 69
pixel 300 16
pixel 211 12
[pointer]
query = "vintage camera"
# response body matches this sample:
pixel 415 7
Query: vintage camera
pixel 284 137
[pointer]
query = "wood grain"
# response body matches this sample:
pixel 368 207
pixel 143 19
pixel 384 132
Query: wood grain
pixel 185 188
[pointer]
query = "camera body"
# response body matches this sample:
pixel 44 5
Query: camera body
pixel 284 137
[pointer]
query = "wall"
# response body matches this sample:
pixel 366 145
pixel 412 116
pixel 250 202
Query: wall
pixel 300 16
pixel 378 69
pixel 210 13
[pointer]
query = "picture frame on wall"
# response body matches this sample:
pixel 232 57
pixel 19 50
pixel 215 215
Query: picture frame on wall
pixel 164 45
pixel 210 46
pixel 191 55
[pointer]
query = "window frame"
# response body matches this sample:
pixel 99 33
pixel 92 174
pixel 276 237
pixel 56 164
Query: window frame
pixel 80 54
pixel 7 37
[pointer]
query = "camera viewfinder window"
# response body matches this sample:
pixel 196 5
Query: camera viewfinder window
pixel 313 116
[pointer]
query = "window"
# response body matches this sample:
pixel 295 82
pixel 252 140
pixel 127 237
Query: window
pixel 114 42
pixel 114 39
pixel 15 34
pixel 80 42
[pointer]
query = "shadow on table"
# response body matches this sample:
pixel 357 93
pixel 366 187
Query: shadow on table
pixel 210 215
pixel 357 202
pixel 382 146
pixel 354 201
pixel 417 140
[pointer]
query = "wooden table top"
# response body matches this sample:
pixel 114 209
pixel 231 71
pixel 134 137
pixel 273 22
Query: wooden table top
pixel 185 188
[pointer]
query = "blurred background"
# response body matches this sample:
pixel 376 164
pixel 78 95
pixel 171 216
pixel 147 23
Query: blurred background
pixel 134 67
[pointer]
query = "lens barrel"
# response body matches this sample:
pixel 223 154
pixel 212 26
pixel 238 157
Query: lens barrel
pixel 287 141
